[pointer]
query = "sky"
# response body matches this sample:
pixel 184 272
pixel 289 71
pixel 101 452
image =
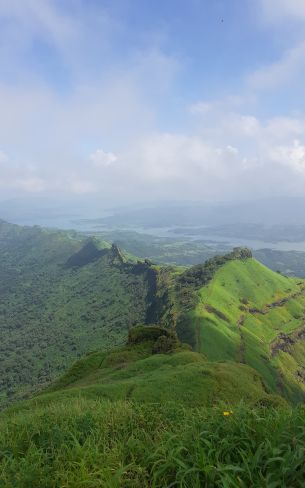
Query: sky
pixel 135 100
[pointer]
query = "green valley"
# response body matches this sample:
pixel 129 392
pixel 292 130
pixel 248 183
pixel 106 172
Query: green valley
pixel 184 376
pixel 62 295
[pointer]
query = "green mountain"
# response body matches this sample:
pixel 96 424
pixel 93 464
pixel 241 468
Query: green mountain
pixel 201 398
pixel 63 295
pixel 246 313
pixel 60 296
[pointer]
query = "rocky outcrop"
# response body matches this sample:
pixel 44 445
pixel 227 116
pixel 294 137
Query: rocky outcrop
pixel 116 255
pixel 284 342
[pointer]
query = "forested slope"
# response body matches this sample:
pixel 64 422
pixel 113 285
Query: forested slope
pixel 61 296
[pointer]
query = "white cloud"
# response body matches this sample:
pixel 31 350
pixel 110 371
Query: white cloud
pixel 223 150
pixel 101 158
pixel 27 21
pixel 282 72
pixel 3 157
pixel 291 155
pixel 81 187
pixel 201 108
pixel 283 128
pixel 240 156
pixel 30 184
pixel 232 150
pixel 281 10
pixel 284 21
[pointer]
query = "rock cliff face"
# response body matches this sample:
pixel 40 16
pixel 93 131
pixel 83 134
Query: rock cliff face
pixel 116 255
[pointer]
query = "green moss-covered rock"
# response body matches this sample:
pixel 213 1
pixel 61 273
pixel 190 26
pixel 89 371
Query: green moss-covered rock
pixel 165 344
pixel 147 333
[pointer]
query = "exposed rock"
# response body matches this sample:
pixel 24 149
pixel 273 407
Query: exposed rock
pixel 284 342
pixel 216 312
pixel 116 255
pixel 300 375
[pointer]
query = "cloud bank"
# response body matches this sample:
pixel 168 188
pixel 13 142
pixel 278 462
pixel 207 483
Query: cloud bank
pixel 123 127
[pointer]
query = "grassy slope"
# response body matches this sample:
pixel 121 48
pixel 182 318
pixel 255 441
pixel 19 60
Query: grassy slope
pixel 229 324
pixel 50 314
pixel 164 426
pixel 133 373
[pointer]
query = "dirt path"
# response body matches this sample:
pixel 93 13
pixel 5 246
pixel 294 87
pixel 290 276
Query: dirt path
pixel 242 346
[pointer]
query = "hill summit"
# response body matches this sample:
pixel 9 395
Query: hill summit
pixel 237 309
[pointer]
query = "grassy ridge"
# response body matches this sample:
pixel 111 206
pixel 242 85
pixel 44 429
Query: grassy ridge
pixel 131 418
pixel 134 373
pixel 241 313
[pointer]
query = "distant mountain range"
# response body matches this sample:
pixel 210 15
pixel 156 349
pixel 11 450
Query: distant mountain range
pixel 62 213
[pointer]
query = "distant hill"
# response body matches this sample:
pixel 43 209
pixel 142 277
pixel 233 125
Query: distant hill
pixel 188 252
pixel 269 212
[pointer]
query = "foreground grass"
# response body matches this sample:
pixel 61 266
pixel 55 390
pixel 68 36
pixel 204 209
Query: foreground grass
pixel 96 443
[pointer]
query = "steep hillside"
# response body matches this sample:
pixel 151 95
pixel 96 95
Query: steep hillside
pixel 61 296
pixel 156 368
pixel 246 313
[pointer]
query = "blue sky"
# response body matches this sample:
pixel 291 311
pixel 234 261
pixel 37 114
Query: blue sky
pixel 138 100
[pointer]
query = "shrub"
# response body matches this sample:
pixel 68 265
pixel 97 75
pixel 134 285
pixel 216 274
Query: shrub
pixel 144 333
pixel 165 344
